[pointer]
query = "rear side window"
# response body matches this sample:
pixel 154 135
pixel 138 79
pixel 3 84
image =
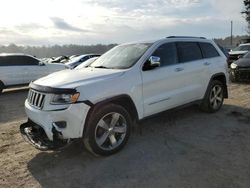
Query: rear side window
pixel 208 50
pixel 168 54
pixel 18 61
pixel 4 61
pixel 188 51
pixel 26 61
pixel 10 61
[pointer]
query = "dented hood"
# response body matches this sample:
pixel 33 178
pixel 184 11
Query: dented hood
pixel 77 77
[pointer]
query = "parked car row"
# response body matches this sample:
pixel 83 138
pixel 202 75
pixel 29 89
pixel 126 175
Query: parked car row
pixel 75 61
pixel 67 59
pixel 20 69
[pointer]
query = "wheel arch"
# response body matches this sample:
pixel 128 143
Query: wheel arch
pixel 123 100
pixel 222 78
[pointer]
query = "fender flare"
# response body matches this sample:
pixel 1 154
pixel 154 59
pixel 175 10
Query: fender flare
pixel 224 81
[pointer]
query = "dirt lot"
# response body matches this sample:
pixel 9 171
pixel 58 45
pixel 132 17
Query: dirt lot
pixel 184 148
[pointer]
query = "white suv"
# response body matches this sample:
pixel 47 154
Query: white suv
pixel 20 69
pixel 132 81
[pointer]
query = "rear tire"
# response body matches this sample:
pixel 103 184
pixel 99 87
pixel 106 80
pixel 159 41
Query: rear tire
pixel 214 97
pixel 107 129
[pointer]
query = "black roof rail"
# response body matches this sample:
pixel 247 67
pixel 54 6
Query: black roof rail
pixel 186 37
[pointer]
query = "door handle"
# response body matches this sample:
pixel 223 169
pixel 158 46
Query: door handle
pixel 179 69
pixel 206 63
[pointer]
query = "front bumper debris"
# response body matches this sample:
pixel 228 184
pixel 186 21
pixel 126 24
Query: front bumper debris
pixel 241 74
pixel 36 136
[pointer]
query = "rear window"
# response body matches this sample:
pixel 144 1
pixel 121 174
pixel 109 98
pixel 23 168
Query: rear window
pixel 188 51
pixel 208 50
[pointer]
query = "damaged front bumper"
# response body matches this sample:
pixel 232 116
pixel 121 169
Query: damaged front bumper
pixel 36 136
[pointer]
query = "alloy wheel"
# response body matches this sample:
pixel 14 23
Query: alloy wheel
pixel 110 131
pixel 216 97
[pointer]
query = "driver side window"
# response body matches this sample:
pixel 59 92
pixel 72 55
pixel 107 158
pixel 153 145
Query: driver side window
pixel 168 54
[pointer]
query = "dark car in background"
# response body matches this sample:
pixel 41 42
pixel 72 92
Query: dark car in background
pixel 240 69
pixel 238 52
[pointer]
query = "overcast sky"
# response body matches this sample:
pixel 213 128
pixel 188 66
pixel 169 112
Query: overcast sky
pixel 48 22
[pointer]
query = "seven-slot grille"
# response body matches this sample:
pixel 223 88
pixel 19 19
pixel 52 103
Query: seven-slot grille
pixel 36 98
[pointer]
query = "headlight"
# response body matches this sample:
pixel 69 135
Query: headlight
pixel 65 98
pixel 233 66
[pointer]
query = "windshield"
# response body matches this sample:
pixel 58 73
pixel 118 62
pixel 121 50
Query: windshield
pixel 86 63
pixel 242 48
pixel 247 55
pixel 121 57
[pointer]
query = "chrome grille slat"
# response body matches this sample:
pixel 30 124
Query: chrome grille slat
pixel 36 99
pixel 33 99
pixel 39 100
pixel 31 96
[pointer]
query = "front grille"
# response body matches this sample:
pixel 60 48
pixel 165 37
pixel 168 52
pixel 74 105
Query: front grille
pixel 233 57
pixel 36 99
pixel 245 69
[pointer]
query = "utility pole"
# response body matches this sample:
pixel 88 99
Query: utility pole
pixel 231 33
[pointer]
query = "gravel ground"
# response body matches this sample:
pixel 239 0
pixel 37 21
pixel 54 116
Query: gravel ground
pixel 183 148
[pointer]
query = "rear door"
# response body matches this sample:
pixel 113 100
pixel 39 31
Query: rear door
pixel 194 71
pixel 212 59
pixel 33 70
pixel 11 70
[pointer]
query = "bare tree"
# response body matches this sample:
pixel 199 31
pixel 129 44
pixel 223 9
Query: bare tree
pixel 246 13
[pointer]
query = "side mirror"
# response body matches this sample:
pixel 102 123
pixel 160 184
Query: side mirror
pixel 152 63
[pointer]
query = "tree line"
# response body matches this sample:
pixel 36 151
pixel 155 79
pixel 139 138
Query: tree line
pixel 67 50
pixel 56 50
pixel 226 42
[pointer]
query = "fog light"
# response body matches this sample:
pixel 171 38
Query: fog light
pixel 60 124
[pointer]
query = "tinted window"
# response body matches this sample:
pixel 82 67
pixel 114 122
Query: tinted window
pixel 84 58
pixel 26 60
pixel 4 61
pixel 188 51
pixel 167 53
pixel 208 50
pixel 17 61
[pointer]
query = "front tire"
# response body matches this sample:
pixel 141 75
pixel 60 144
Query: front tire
pixel 214 97
pixel 232 77
pixel 107 130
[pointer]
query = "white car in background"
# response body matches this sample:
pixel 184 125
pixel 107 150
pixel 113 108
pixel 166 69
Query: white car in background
pixel 21 69
pixel 86 63
pixel 74 62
